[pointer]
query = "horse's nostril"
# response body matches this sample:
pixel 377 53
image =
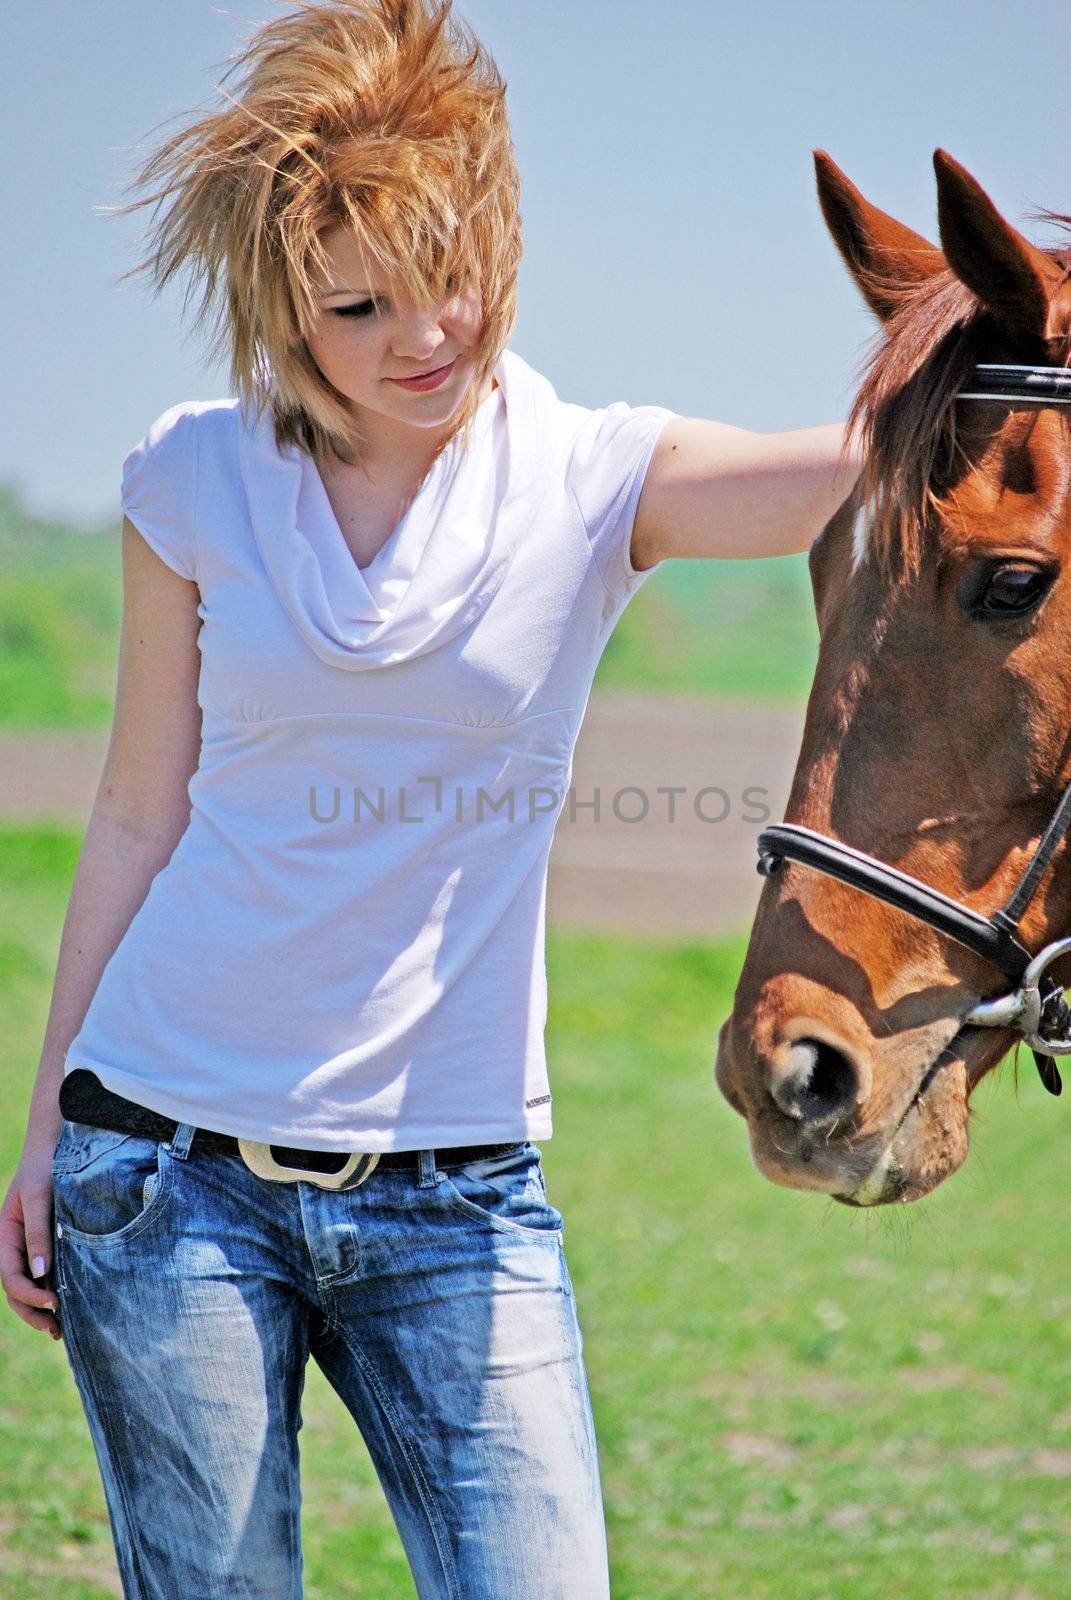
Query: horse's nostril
pixel 819 1083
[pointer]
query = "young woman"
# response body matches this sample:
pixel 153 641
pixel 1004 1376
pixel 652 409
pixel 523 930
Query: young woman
pixel 294 1074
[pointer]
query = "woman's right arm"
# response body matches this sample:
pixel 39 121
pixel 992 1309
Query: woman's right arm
pixel 139 814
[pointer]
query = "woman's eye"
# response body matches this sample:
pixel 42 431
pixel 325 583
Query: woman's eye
pixel 361 308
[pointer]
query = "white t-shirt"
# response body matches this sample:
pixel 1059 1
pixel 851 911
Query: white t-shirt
pixel 346 947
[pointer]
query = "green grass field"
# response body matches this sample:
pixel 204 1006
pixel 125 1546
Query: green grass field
pixel 793 1399
pixel 727 628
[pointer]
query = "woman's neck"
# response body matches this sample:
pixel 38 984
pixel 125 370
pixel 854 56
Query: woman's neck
pixel 391 455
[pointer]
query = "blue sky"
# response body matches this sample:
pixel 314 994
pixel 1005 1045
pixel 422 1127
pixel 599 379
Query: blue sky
pixel 674 249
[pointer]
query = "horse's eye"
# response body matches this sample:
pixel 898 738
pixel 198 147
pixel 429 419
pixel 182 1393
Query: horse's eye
pixel 1012 590
pixel 1006 589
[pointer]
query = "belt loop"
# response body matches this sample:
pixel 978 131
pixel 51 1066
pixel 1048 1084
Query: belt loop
pixel 428 1177
pixel 181 1139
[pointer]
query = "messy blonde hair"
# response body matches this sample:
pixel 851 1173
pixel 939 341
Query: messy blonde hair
pixel 384 116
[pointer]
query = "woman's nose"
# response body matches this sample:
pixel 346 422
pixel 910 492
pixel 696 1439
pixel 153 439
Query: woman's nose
pixel 418 335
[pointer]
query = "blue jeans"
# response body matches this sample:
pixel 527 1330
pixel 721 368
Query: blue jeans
pixel 437 1303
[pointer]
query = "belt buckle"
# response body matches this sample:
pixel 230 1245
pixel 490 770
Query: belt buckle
pixel 259 1159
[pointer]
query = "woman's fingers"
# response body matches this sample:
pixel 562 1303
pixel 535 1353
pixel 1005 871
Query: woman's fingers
pixel 25 1226
pixel 43 1320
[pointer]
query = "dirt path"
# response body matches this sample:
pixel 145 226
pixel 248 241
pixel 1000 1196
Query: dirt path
pixel 681 787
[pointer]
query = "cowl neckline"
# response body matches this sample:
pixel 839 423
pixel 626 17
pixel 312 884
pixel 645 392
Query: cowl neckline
pixel 442 562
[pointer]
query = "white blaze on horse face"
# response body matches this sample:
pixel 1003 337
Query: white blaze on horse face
pixel 860 538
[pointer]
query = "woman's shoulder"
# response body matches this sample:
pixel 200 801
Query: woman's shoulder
pixel 165 472
pixel 181 438
pixel 192 418
pixel 185 442
pixel 579 427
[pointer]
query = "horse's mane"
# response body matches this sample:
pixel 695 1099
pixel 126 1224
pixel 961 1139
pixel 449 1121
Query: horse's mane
pixel 904 412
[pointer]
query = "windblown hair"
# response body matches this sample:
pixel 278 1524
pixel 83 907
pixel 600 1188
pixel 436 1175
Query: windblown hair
pixel 387 117
pixel 904 412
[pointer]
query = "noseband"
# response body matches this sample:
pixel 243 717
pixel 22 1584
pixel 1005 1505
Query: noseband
pixel 1035 1004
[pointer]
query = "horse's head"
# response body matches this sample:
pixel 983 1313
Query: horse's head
pixel 938 730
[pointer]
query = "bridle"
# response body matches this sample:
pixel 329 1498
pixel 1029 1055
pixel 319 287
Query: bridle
pixel 1035 1004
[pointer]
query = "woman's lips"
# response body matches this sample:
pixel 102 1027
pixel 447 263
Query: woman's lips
pixel 428 380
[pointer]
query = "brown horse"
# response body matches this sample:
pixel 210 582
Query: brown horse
pixel 938 730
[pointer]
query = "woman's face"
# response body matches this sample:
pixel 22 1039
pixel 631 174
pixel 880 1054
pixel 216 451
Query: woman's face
pixel 369 337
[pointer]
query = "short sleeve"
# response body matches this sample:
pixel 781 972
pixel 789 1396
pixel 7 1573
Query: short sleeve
pixel 607 464
pixel 159 492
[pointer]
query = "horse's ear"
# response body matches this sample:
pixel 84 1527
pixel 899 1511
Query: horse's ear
pixel 1015 280
pixel 885 257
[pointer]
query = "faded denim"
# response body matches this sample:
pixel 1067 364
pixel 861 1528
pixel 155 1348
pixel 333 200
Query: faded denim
pixel 439 1306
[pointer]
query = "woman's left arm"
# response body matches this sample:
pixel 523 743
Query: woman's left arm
pixel 714 490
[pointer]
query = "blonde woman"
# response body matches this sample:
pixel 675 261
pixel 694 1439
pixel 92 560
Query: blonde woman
pixel 293 1076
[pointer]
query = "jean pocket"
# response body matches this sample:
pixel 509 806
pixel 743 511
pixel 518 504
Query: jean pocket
pixel 108 1186
pixel 505 1192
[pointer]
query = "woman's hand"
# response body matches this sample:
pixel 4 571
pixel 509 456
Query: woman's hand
pixel 25 1234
